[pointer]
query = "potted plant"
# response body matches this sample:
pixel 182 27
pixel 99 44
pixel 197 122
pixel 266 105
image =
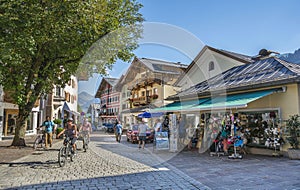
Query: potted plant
pixel 57 122
pixel 293 126
pixel 59 128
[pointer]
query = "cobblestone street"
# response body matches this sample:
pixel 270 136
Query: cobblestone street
pixel 98 168
pixel 111 165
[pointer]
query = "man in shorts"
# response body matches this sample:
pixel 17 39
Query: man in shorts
pixel 142 132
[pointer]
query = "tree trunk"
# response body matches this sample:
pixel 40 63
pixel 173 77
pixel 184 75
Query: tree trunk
pixel 19 138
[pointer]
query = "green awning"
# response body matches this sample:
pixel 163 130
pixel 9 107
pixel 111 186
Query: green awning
pixel 233 101
pixel 219 102
pixel 179 106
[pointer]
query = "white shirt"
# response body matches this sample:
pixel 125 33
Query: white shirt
pixel 142 129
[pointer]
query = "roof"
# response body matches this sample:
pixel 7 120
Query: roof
pixel 139 65
pixel 155 65
pixel 111 81
pixel 262 73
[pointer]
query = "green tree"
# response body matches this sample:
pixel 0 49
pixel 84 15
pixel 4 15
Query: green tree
pixel 43 43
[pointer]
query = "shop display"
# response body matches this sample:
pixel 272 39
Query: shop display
pixel 230 133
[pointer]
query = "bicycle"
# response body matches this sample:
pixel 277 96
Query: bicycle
pixel 65 152
pixel 40 139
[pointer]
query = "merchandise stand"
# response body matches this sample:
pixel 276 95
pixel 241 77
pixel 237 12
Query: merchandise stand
pixel 237 143
pixel 218 148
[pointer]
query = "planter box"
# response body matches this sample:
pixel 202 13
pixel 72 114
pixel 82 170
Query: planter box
pixel 263 151
pixel 294 154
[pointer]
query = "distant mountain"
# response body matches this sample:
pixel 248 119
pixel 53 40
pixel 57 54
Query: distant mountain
pixel 291 57
pixel 85 100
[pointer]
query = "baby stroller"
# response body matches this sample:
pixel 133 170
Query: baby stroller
pixel 40 139
pixel 238 142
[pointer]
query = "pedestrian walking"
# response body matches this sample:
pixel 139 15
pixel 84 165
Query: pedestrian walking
pixel 118 131
pixel 142 132
pixel 49 128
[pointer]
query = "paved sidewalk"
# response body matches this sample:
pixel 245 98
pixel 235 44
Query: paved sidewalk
pixel 97 168
pixel 112 165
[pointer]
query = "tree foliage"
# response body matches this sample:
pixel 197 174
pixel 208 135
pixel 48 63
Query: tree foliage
pixel 42 44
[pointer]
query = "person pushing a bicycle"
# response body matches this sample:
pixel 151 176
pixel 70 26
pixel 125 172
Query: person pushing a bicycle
pixel 49 128
pixel 70 131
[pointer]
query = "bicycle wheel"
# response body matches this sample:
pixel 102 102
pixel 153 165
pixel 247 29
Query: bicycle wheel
pixel 36 143
pixel 62 156
pixel 85 144
pixel 72 152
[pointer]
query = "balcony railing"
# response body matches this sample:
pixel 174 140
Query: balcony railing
pixel 108 114
pixel 143 100
pixel 58 98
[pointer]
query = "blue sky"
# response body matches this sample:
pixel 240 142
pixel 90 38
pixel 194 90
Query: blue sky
pixel 240 26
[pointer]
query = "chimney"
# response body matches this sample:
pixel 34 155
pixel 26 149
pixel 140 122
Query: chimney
pixel 264 53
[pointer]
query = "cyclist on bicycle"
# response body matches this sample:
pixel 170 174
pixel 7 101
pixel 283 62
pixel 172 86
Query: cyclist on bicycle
pixel 70 131
pixel 86 128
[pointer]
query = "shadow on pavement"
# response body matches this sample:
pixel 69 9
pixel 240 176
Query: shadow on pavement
pixel 50 164
pixel 139 180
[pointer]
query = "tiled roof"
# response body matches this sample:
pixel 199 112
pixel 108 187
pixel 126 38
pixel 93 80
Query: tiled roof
pixel 269 71
pixel 156 65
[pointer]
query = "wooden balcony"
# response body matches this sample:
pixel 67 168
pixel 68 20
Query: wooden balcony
pixel 143 100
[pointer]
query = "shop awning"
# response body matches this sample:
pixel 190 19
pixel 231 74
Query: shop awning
pixel 233 101
pixel 179 106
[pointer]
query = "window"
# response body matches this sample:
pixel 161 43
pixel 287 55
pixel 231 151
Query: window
pixel 67 96
pixel 58 91
pixel 73 83
pixel 211 66
pixel 72 99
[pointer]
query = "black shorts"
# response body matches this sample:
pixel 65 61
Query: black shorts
pixel 72 139
pixel 142 138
